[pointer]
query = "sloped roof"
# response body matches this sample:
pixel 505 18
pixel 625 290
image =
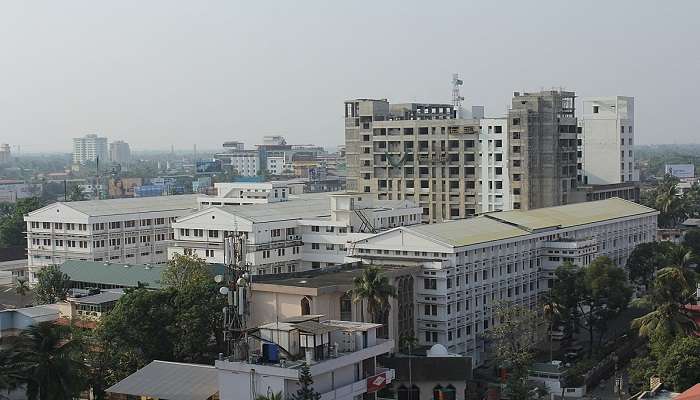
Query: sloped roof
pixel 170 380
pixel 132 205
pixel 572 214
pixel 306 207
pixel 465 232
pixel 114 274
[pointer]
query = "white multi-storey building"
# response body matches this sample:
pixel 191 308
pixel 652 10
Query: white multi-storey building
pixel 495 179
pixel 606 141
pixel 341 356
pixel 240 193
pixel 134 231
pixel 89 148
pixel 468 265
pixel 308 232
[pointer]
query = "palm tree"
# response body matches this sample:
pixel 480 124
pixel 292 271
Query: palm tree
pixel 270 396
pixel 552 313
pixel 373 287
pixel 666 200
pixel 53 367
pixel 670 292
pixel 11 372
pixel 22 288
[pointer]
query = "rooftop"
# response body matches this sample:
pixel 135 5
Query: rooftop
pixel 100 298
pixel 124 275
pixel 132 205
pixel 465 232
pixel 170 380
pixel 572 214
pixel 342 276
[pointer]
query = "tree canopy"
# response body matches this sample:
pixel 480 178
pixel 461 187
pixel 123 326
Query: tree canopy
pixel 52 285
pixel 12 223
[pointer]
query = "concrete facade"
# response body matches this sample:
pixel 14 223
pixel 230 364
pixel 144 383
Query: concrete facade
pixel 119 230
pixel 606 141
pixel 542 160
pixel 119 151
pixel 466 266
pixel 89 148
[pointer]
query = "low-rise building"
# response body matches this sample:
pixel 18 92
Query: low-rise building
pixel 308 232
pixel 14 321
pixel 241 193
pixel 341 357
pixel 118 230
pixel 466 266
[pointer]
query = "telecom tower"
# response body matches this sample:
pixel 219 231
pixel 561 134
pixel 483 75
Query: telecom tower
pixel 236 279
pixel 456 97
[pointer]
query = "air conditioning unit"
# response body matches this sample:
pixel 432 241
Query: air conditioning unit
pixel 297 237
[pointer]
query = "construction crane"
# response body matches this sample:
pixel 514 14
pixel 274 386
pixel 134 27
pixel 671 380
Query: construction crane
pixel 456 97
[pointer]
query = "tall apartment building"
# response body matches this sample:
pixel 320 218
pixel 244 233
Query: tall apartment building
pixel 119 151
pixel 462 268
pixel 606 141
pixel 5 153
pixel 494 178
pixel 415 152
pixel 542 161
pixel 132 231
pixel 89 148
pixel 307 232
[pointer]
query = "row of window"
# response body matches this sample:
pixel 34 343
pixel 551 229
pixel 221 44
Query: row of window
pixel 58 225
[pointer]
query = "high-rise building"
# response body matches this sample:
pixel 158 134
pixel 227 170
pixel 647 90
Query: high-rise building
pixel 542 150
pixel 119 151
pixel 89 148
pixel 416 152
pixel 606 140
pixel 5 153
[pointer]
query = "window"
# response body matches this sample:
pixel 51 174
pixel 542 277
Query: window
pixel 213 234
pixel 315 246
pixel 266 254
pixel 622 129
pixel 198 232
pixel 160 221
pixel 146 222
pixel 516 121
pixel 275 233
pixel 314 228
pixel 209 253
pixel 115 225
pixel 46 225
pixel 132 224
pixel 429 283
pixel 329 246
pixel 595 109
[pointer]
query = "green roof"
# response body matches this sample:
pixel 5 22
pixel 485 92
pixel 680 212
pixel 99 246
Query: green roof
pixel 125 275
pixel 465 232
pixel 572 214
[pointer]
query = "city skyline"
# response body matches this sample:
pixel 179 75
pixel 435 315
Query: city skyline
pixel 237 72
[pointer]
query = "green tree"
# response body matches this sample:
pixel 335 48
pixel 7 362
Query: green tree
pixel 374 289
pixel 680 365
pixel 270 396
pixel 22 288
pixel 670 292
pixel 185 270
pixel 52 285
pixel 566 292
pixel 691 239
pixel 551 311
pixel 52 362
pixel 306 390
pixel 12 225
pixel 12 368
pixel 76 194
pixel 666 199
pixel 606 292
pixel 645 260
pixel 198 320
pixel 513 337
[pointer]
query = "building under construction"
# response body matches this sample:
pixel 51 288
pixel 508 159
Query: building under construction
pixel 455 167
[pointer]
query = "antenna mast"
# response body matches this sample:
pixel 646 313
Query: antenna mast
pixel 456 97
pixel 236 281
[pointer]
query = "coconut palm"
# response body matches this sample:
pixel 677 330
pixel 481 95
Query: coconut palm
pixel 374 289
pixel 22 288
pixel 270 396
pixel 670 292
pixel 51 362
pixel 551 311
pixel 11 372
pixel 669 203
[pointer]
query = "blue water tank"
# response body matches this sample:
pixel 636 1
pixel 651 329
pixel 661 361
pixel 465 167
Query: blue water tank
pixel 270 352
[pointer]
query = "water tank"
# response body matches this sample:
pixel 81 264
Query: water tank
pixel 270 352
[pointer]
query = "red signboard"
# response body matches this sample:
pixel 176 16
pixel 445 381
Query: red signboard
pixel 376 382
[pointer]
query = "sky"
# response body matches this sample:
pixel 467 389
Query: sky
pixel 156 73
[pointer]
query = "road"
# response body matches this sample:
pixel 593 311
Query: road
pixel 10 299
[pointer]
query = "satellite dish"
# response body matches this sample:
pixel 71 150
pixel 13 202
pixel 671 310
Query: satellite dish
pixel 223 290
pixel 218 278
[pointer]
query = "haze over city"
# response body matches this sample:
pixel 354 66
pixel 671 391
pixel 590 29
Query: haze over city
pixel 174 72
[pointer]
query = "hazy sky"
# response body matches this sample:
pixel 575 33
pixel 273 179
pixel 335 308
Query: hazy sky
pixel 183 72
